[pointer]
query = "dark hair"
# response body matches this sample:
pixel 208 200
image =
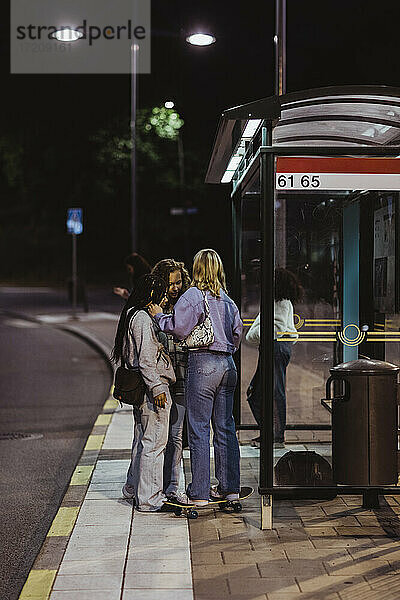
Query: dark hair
pixel 168 265
pixel 139 264
pixel 287 286
pixel 148 288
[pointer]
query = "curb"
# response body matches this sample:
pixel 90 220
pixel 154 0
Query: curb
pixel 40 580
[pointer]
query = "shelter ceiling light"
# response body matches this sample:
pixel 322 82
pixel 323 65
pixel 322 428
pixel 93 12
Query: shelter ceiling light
pixel 67 34
pixel 201 39
pixel 251 128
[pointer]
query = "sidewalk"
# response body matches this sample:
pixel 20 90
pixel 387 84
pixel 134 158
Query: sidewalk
pixel 99 548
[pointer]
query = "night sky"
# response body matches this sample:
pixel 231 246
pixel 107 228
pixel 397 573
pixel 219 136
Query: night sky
pixel 328 43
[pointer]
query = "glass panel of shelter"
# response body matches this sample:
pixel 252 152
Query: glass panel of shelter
pixel 319 237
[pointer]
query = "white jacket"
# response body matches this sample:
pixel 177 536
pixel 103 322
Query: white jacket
pixel 283 322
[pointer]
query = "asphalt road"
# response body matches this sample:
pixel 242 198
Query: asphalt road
pixel 51 384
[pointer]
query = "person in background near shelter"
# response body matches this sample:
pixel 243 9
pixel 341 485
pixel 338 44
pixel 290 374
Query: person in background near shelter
pixel 177 277
pixel 287 292
pixel 136 266
pixel 211 378
pixel 140 343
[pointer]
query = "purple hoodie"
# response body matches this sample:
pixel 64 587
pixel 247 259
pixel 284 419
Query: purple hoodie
pixel 189 311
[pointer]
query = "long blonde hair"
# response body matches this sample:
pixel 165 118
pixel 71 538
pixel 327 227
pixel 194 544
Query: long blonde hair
pixel 208 272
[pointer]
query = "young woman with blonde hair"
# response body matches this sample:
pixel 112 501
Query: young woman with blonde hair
pixel 211 377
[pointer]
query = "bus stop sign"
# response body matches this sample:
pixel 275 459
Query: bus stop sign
pixel 337 173
pixel 74 221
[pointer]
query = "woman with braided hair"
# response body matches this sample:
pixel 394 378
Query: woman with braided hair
pixel 139 343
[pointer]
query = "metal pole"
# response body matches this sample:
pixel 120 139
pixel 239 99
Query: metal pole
pixel 280 47
pixel 134 228
pixel 267 213
pixel 74 275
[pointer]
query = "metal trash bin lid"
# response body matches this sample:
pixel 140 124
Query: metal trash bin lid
pixel 365 366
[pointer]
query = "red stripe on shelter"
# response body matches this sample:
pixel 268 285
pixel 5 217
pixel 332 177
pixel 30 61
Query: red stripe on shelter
pixel 315 164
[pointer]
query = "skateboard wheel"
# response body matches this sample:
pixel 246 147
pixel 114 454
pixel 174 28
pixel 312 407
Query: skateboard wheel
pixel 178 512
pixel 193 514
pixel 237 507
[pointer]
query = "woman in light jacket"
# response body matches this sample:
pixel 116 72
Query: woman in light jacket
pixel 211 378
pixel 140 343
pixel 287 291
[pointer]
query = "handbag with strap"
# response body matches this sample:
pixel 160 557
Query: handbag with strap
pixel 202 335
pixel 129 387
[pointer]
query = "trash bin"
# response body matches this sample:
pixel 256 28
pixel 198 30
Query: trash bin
pixel 364 423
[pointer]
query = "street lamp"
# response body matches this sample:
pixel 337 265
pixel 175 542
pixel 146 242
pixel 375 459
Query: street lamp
pixel 169 104
pixel 201 39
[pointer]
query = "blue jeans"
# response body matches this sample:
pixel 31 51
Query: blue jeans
pixel 210 385
pixel 173 451
pixel 282 354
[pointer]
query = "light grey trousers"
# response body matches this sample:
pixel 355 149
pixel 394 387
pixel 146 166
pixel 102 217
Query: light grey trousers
pixel 150 436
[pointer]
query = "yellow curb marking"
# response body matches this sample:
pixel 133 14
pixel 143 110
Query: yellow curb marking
pixel 103 420
pixel 38 585
pixel 82 475
pixel 110 404
pixel 64 521
pixel 94 442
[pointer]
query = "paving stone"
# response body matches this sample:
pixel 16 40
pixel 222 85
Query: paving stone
pixel 327 583
pixel 202 588
pixel 75 494
pixel 265 585
pixel 253 556
pixel 156 553
pixel 294 553
pixel 206 558
pixel 88 582
pixel 171 594
pixel 86 595
pixel 94 553
pixel 371 567
pixel 341 542
pixel 331 522
pixel 320 531
pixel 224 571
pixel 284 568
pixel 361 531
pixel 156 581
pixel 51 553
pixel 92 567
pixel 300 595
pixel 291 534
pixel 164 565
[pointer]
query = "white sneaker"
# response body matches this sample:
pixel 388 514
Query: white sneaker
pixel 179 497
pixel 128 492
pixel 215 493
pixel 198 502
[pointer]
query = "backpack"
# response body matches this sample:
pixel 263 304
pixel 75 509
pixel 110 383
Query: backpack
pixel 304 469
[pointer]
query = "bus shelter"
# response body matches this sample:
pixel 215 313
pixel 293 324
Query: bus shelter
pixel 315 180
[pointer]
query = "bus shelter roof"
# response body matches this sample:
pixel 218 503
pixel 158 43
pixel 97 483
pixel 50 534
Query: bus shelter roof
pixel 331 116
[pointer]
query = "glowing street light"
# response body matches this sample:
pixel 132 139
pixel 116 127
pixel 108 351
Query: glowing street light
pixel 201 39
pixel 169 104
pixel 66 34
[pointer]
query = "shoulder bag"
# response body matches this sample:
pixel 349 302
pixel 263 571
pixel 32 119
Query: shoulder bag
pixel 202 335
pixel 129 387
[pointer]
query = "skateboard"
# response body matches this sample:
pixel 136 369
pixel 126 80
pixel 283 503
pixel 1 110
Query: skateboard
pixel 190 510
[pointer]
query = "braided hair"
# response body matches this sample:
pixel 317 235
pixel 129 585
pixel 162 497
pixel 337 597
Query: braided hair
pixel 147 289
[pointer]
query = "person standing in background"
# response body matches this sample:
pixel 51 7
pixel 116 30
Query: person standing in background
pixel 136 266
pixel 287 292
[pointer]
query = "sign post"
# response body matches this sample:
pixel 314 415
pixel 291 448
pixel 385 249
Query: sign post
pixel 74 227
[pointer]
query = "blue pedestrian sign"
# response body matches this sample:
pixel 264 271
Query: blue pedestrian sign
pixel 74 221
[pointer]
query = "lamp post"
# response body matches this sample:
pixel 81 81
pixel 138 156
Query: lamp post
pixel 280 47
